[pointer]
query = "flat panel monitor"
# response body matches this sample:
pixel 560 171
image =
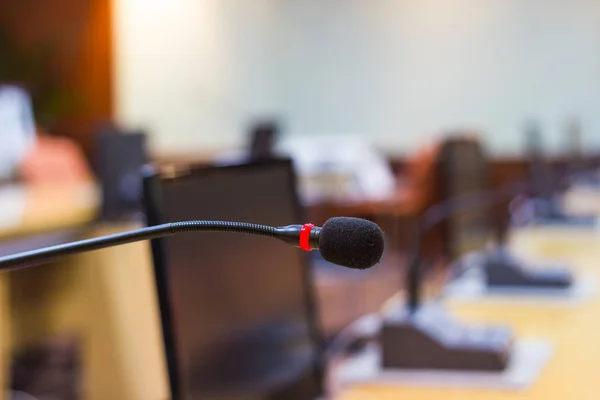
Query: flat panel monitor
pixel 119 160
pixel 237 310
pixel 263 137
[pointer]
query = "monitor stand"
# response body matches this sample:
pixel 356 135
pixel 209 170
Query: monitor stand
pixel 430 338
pixel 504 270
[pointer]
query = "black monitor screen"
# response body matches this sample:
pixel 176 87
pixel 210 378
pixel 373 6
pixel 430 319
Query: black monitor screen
pixel 262 140
pixel 241 323
pixel 120 158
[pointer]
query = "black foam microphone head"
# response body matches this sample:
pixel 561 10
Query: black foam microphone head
pixel 351 242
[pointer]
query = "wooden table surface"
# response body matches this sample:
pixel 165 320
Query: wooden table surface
pixel 574 369
pixel 572 373
pixel 38 209
pixel 27 211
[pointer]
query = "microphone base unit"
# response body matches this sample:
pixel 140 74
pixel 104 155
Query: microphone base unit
pixel 568 221
pixel 431 339
pixel 550 212
pixel 502 270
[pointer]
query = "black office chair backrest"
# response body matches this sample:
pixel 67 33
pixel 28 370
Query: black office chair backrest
pixel 464 170
pixel 541 174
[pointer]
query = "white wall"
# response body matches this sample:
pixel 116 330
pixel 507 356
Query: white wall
pixel 391 69
pixel 192 72
pixel 397 69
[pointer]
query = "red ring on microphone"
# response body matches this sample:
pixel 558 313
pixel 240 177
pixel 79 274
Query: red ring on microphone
pixel 305 237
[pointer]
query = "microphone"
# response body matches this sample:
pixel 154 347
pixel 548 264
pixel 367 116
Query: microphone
pixel 438 213
pixel 350 242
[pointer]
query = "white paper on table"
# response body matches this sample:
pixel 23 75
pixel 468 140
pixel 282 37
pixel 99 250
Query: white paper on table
pixel 348 161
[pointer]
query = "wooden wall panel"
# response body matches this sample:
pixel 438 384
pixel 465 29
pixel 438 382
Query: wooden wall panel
pixel 79 33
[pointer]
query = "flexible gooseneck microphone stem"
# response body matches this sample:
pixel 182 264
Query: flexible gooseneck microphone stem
pixel 350 242
pixel 437 214
pixel 34 257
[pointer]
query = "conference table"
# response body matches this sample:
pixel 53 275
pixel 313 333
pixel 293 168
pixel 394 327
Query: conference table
pixel 108 298
pixel 573 370
pixel 105 300
pixel 33 216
